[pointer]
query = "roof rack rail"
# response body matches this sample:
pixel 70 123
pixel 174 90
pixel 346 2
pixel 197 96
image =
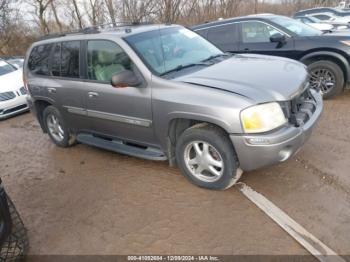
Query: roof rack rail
pixel 95 29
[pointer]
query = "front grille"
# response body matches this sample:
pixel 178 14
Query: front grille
pixel 7 96
pixel 23 90
pixel 300 109
pixel 14 109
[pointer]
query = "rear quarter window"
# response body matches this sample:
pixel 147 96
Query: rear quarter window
pixel 38 62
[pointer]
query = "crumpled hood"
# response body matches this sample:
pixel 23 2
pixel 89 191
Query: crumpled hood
pixel 11 81
pixel 258 77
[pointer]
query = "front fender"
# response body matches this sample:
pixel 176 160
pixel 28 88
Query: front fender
pixel 344 62
pixel 163 129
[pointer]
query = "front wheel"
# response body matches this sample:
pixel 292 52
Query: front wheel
pixel 327 77
pixel 206 157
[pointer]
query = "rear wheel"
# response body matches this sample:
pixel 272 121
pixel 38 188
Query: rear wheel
pixel 56 128
pixel 206 157
pixel 326 76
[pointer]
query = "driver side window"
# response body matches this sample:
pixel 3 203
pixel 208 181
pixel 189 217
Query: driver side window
pixel 257 32
pixel 105 59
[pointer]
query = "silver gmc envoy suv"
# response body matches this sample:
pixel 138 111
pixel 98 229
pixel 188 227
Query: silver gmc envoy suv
pixel 162 92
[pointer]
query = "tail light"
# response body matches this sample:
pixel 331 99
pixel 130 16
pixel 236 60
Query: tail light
pixel 25 82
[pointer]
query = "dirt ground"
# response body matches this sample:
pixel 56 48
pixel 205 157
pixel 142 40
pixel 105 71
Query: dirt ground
pixel 83 200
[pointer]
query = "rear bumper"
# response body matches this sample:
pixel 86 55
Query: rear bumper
pixel 13 107
pixel 30 103
pixel 256 151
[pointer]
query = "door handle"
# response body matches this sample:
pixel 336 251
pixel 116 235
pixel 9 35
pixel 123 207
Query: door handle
pixel 51 90
pixel 246 49
pixel 92 94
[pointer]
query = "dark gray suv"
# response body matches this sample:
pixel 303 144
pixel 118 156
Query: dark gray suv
pixel 162 92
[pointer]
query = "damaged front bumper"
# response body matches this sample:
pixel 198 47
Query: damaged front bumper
pixel 261 150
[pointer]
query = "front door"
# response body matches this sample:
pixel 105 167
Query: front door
pixel 124 113
pixel 255 38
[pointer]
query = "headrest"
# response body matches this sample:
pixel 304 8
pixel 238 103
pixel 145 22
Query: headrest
pixel 105 57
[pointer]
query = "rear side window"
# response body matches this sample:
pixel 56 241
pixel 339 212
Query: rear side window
pixel 59 59
pixel 38 62
pixel 70 52
pixel 223 36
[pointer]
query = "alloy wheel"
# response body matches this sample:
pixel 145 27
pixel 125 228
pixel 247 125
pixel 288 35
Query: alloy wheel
pixel 322 79
pixel 55 128
pixel 204 161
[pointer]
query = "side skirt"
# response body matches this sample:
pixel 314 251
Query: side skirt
pixel 122 147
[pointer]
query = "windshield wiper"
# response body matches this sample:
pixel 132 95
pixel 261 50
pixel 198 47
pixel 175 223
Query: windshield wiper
pixel 215 56
pixel 201 63
pixel 180 67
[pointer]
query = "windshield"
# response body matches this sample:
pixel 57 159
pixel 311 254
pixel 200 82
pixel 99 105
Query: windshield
pixel 6 68
pixel 167 49
pixel 18 62
pixel 295 26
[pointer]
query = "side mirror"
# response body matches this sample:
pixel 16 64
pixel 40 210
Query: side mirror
pixel 125 78
pixel 278 38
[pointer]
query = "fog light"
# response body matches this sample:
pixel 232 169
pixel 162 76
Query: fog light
pixel 285 153
pixel 258 141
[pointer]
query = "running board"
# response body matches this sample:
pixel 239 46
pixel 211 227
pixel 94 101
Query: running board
pixel 120 147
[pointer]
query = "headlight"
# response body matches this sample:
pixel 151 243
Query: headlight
pixel 262 118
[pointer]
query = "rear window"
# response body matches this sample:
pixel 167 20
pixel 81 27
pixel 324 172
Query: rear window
pixel 38 62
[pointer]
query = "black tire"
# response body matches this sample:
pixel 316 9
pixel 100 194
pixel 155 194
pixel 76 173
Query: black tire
pixel 336 71
pixel 68 139
pixel 216 138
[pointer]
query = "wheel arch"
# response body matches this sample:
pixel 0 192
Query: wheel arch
pixel 178 125
pixel 337 58
pixel 40 106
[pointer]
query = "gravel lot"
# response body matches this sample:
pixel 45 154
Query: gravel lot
pixel 83 200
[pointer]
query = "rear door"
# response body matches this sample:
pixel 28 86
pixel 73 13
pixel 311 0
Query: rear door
pixel 55 76
pixel 225 36
pixel 67 85
pixel 125 113
pixel 255 38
